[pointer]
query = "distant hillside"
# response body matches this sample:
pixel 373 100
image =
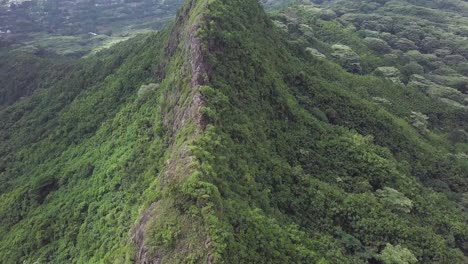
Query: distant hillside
pixel 78 27
pixel 78 16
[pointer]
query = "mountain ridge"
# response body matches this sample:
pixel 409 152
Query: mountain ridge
pixel 220 140
pixel 183 37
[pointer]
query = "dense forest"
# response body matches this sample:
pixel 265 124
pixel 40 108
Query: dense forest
pixel 315 132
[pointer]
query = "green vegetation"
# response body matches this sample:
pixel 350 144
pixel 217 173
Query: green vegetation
pixel 230 138
pixel 397 255
pixel 23 72
pixel 92 150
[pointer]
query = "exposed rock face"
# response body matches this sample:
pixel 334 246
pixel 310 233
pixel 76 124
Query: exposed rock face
pixel 186 111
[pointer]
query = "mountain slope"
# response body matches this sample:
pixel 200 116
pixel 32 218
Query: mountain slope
pixel 425 92
pixel 79 16
pixel 267 145
pixel 217 140
pixel 95 142
pixel 22 73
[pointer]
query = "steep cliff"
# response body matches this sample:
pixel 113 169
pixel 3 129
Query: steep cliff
pixel 220 140
pixel 295 166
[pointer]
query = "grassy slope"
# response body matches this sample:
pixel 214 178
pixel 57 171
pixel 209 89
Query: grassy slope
pixel 284 167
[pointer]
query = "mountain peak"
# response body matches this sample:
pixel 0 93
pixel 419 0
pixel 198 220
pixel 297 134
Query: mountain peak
pixel 234 136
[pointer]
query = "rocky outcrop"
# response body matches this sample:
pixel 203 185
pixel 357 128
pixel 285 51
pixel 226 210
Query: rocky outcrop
pixel 184 114
pixel 139 237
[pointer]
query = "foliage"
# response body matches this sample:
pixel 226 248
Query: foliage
pixel 92 152
pixel 397 255
pixel 395 199
pixel 272 156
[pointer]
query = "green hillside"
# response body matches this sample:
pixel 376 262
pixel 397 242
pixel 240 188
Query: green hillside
pixel 228 138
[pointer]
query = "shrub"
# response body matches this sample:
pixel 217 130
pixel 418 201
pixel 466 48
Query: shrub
pixel 420 122
pixel 378 45
pixel 397 255
pixel 395 200
pixel 145 89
